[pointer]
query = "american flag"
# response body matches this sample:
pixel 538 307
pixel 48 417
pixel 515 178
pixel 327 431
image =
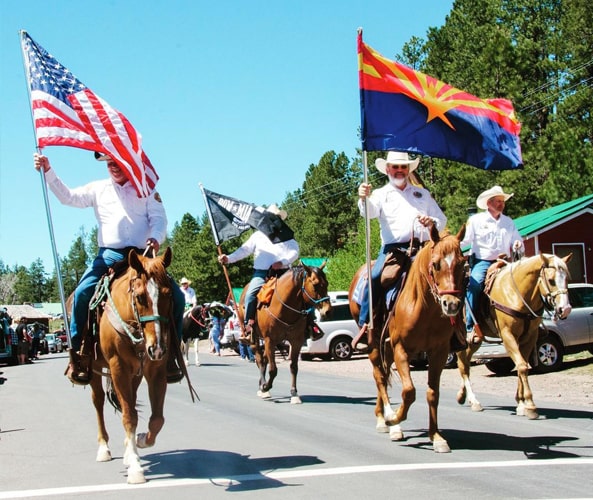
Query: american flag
pixel 67 113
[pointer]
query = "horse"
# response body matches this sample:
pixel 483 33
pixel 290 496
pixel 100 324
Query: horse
pixel 135 325
pixel 519 294
pixel 296 293
pixel 424 318
pixel 196 324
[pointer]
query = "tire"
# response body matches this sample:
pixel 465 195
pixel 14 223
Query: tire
pixel 341 349
pixel 549 353
pixel 451 360
pixel 501 366
pixel 306 357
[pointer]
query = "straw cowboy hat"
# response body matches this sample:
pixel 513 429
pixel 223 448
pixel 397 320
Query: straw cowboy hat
pixel 184 280
pixel 396 158
pixel 273 209
pixel 482 200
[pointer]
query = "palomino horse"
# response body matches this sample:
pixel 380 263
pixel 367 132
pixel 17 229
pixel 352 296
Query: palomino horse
pixel 135 327
pixel 426 313
pixel 296 293
pixel 196 324
pixel 520 293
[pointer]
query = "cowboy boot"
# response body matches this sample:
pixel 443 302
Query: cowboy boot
pixel 174 373
pixel 78 370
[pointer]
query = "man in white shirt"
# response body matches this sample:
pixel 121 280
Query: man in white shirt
pixel 188 292
pixel 490 234
pixel 267 256
pixel 125 222
pixel 404 211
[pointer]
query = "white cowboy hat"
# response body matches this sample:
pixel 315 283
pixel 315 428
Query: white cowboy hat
pixel 184 280
pixel 273 209
pixel 482 200
pixel 396 158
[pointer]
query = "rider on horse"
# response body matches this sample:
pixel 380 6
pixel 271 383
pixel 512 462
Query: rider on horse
pixel 125 222
pixel 269 260
pixel 491 235
pixel 404 211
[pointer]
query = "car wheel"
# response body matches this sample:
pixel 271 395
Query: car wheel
pixel 501 366
pixel 341 349
pixel 451 360
pixel 549 354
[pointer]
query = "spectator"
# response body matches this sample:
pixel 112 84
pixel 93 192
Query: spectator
pixel 23 342
pixel 188 292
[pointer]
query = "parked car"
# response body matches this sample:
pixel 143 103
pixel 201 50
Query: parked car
pixel 51 343
pixel 61 334
pixel 338 332
pixel 555 339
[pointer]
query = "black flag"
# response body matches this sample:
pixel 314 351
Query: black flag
pixel 230 218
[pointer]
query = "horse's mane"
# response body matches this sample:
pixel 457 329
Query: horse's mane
pixel 154 268
pixel 297 272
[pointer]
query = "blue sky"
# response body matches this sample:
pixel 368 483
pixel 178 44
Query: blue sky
pixel 241 96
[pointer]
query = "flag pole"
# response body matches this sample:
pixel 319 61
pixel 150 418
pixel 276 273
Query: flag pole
pixel 219 250
pixel 50 225
pixel 367 220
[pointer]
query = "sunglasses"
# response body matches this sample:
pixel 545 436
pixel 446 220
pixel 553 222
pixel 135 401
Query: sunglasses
pixel 399 167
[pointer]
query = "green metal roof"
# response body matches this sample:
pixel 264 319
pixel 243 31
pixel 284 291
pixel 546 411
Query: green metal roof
pixel 531 224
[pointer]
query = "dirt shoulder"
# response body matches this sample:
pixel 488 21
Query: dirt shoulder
pixel 572 386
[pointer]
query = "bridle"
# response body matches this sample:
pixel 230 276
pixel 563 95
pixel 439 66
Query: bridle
pixel 307 300
pixel 437 293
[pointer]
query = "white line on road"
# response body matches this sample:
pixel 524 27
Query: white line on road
pixel 168 483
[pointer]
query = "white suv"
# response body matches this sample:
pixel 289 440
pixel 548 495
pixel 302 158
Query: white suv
pixel 338 332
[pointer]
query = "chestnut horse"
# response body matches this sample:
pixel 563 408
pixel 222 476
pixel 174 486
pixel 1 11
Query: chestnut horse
pixel 135 326
pixel 296 293
pixel 427 310
pixel 519 294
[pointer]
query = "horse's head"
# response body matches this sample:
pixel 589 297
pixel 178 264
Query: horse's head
pixel 152 300
pixel 315 287
pixel 553 285
pixel 446 270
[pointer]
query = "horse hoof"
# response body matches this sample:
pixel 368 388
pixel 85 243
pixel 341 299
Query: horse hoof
pixel 382 428
pixel 136 477
pixel 395 433
pixel 187 363
pixel 141 440
pixel 295 400
pixel 461 397
pixel 441 446
pixel 264 394
pixel 104 455
pixel 477 407
pixel 531 413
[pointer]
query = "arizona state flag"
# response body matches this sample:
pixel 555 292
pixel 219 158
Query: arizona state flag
pixel 405 110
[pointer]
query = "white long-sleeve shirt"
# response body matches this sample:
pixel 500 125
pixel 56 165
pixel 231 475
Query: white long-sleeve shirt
pixel 490 237
pixel 265 253
pixel 398 209
pixel 124 219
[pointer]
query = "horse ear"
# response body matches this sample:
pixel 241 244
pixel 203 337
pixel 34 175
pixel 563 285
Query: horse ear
pixel 461 233
pixel 322 265
pixel 134 261
pixel 434 233
pixel 168 257
pixel 567 258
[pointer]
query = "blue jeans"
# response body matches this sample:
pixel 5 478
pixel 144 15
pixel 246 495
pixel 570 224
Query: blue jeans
pixel 257 281
pixel 106 258
pixel 246 352
pixel 377 289
pixel 474 289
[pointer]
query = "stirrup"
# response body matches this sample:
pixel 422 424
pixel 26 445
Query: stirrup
pixel 74 371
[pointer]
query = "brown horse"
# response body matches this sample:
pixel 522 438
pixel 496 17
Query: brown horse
pixel 284 319
pixel 135 326
pixel 520 293
pixel 426 312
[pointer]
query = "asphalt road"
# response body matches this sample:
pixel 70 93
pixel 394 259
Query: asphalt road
pixel 233 442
